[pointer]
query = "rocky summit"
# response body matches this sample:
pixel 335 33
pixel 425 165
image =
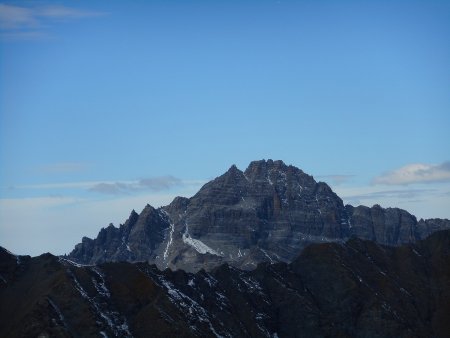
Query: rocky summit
pixel 268 213
pixel 352 289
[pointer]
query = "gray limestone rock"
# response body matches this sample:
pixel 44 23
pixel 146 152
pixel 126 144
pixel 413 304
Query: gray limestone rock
pixel 270 212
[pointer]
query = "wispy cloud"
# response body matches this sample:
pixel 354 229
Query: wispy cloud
pixel 416 173
pixel 23 35
pixel 39 224
pixel 151 184
pixel 56 186
pixel 62 12
pixel 19 22
pixel 14 17
pixel 33 225
pixel 398 194
pixel 429 202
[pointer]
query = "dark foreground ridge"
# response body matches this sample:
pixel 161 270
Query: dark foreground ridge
pixel 267 213
pixel 353 289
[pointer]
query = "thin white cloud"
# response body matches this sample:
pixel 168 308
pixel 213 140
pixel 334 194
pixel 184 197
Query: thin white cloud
pixel 416 173
pixel 19 22
pixel 62 12
pixel 24 35
pixel 34 225
pixel 398 194
pixel 117 187
pixel 40 224
pixel 14 17
pixel 152 184
pixel 56 186
pixel 426 202
pixel 114 188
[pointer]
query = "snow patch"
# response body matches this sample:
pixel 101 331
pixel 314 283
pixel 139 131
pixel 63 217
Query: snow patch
pixel 193 310
pixel 100 286
pixel 169 243
pixel 197 244
pixel 405 291
pixel 58 311
pixel 263 329
pixel 222 298
pixel 68 261
pixel 78 286
pixel 251 284
pixel 126 244
pixel 210 280
pixel 417 254
pixel 171 230
pixel 118 325
pixel 267 255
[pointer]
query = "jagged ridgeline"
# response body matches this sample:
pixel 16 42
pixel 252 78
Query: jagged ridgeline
pixel 265 252
pixel 268 213
pixel 353 289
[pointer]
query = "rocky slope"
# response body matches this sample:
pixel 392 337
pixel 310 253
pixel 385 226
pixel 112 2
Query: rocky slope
pixel 353 289
pixel 269 212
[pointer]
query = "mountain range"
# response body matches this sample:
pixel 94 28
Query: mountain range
pixel 267 213
pixel 265 252
pixel 353 289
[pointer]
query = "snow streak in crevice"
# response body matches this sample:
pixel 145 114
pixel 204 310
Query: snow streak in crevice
pixel 99 302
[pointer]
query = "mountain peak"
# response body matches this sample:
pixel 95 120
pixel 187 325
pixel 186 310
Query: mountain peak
pixel 269 212
pixel 233 170
pixel 266 164
pixel 260 170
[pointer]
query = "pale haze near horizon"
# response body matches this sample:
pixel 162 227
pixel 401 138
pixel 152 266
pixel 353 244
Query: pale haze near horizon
pixel 108 106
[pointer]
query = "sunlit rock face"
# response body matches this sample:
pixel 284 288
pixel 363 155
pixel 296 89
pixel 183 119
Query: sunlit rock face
pixel 269 212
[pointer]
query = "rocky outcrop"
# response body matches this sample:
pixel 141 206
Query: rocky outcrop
pixel 391 226
pixel 136 240
pixel 352 289
pixel 269 212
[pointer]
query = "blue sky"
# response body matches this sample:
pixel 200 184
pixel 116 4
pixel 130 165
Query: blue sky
pixel 108 105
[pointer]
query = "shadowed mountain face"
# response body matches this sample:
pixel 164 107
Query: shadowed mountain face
pixel 269 212
pixel 353 289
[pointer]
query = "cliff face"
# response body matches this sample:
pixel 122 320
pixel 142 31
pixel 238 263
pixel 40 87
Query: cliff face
pixel 137 239
pixel 352 289
pixel 269 212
